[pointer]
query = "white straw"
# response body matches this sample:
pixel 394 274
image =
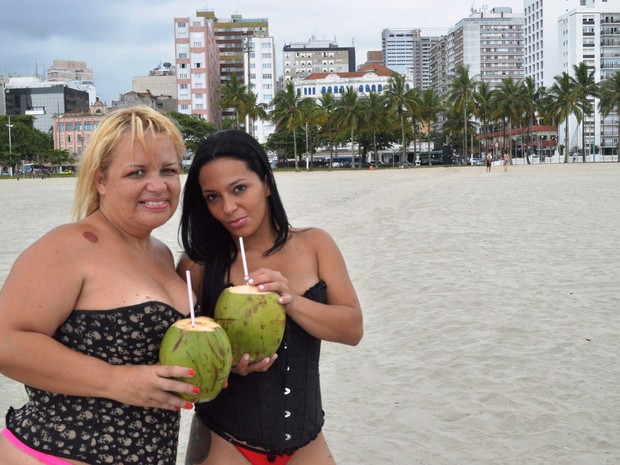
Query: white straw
pixel 190 294
pixel 245 263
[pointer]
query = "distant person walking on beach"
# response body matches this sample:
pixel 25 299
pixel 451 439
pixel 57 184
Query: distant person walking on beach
pixel 489 162
pixel 84 309
pixel 271 411
pixel 506 161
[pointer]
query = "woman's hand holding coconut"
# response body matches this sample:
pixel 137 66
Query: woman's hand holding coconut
pixel 152 386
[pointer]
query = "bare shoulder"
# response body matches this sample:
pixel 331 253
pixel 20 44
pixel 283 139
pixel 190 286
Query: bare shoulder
pixel 312 236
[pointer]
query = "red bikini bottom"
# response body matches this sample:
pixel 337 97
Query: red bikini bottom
pixel 259 458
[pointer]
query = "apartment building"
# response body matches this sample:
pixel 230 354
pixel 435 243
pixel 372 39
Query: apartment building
pixel 541 53
pixel 590 34
pixel 260 74
pixel 197 63
pixel 409 51
pixel 301 59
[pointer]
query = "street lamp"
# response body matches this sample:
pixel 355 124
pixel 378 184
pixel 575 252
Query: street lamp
pixel 9 125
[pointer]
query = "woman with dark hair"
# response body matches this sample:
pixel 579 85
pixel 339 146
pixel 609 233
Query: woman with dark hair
pixel 271 411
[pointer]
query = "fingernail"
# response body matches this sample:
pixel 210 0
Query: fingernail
pixel 246 357
pixel 250 281
pixel 189 405
pixel 261 287
pixel 177 408
pixel 196 390
pixel 267 360
pixel 191 372
pixel 280 299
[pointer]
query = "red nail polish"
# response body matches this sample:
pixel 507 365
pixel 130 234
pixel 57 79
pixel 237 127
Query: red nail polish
pixel 189 405
pixel 196 390
pixel 191 372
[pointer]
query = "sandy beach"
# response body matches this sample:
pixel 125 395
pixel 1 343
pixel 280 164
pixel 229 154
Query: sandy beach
pixel 491 308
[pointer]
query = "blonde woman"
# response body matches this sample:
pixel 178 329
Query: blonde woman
pixel 84 308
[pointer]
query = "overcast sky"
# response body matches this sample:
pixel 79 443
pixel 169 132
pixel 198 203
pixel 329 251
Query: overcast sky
pixel 119 39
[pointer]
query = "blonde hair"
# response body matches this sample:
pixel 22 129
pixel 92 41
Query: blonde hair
pixel 138 121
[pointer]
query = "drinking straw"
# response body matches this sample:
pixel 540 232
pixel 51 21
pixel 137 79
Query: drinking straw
pixel 190 294
pixel 245 263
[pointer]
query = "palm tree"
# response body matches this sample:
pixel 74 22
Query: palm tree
pixel 396 97
pixel 563 103
pixel 254 110
pixel 530 101
pixel 233 95
pixel 348 116
pixel 430 107
pixel 374 111
pixel 287 113
pixel 324 113
pixel 483 101
pixel 610 100
pixel 585 87
pixel 461 95
pixel 308 111
pixel 413 104
pixel 509 105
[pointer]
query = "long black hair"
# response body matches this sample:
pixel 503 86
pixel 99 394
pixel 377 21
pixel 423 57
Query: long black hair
pixel 204 238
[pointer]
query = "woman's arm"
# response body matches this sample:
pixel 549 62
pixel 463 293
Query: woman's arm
pixel 37 297
pixel 338 321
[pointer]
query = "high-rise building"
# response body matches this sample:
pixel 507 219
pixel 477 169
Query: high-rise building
pixel 197 62
pixel 301 59
pixel 408 51
pixel 590 34
pixel 259 74
pixel 490 44
pixel 541 54
pixel 209 51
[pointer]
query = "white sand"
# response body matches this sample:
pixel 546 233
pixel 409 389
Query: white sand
pixel 491 305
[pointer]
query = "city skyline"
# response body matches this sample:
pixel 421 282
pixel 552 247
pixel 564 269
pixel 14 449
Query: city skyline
pixel 121 40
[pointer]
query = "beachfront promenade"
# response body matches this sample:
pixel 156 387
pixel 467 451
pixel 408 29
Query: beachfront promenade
pixel 490 303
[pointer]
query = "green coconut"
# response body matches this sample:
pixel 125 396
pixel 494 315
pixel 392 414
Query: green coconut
pixel 253 320
pixel 205 348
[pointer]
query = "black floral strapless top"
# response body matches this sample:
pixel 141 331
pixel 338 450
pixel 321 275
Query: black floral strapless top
pixel 97 430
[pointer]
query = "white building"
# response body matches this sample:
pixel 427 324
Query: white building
pixel 299 59
pixel 590 34
pixel 260 72
pixel 542 58
pixel 369 78
pixel 409 51
pixel 490 43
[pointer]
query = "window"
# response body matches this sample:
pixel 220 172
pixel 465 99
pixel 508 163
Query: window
pixel 69 126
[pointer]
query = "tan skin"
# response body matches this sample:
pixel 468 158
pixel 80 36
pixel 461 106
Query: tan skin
pixel 104 261
pixel 237 198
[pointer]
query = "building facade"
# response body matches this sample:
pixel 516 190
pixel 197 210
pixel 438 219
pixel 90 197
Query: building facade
pixel 369 78
pixel 161 81
pixel 260 74
pixel 300 59
pixel 43 99
pixel 197 63
pixel 590 34
pixel 409 51
pixel 490 44
pixel 541 54
pixel 72 131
